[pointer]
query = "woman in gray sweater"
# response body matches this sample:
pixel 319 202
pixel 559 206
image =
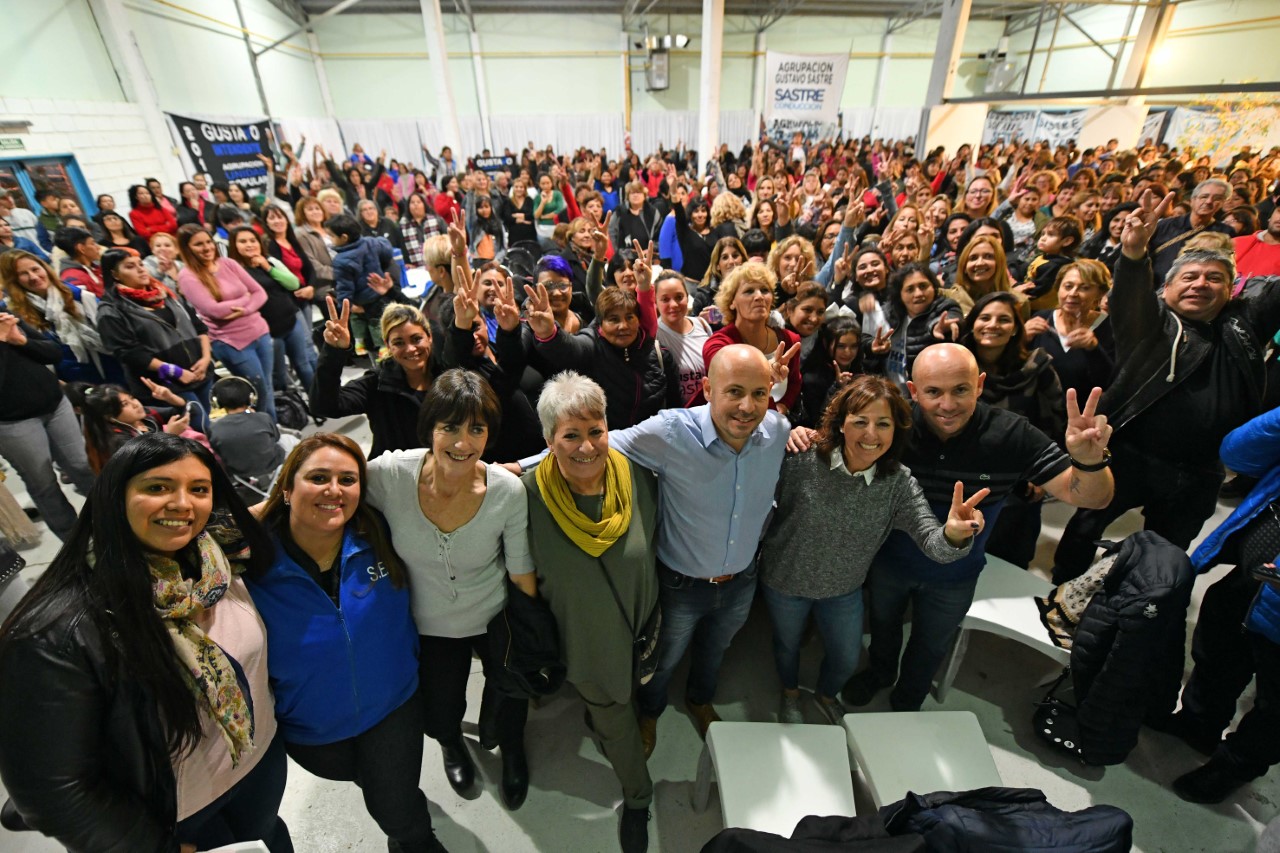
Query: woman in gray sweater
pixel 836 505
pixel 462 528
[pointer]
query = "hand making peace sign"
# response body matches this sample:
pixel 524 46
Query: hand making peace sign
pixel 337 329
pixel 964 520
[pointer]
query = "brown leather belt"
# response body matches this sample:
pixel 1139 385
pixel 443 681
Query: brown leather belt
pixel 718 579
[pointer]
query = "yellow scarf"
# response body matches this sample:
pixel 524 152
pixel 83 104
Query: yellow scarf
pixel 594 537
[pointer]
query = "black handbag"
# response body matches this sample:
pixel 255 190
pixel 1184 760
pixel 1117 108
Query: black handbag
pixel 11 562
pixel 644 645
pixel 1055 719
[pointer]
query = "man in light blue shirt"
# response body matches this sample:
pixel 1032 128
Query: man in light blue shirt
pixel 717 468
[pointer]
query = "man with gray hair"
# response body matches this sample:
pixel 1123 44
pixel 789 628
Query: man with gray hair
pixel 1173 233
pixel 1190 369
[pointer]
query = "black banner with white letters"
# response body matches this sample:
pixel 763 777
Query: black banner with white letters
pixel 227 153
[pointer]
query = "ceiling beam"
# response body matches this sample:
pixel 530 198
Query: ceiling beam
pixel 328 13
pixel 291 8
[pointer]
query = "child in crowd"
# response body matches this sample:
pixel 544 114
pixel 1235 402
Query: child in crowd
pixel 1059 242
pixel 357 259
pixel 112 416
pixel 248 442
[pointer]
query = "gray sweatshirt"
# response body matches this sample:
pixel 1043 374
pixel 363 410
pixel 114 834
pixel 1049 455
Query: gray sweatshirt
pixel 830 523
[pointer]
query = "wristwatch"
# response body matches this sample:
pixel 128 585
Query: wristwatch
pixel 1097 466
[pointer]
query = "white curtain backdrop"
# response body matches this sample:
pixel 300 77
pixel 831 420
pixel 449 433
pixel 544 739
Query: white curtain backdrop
pixel 668 128
pixel 737 128
pixel 398 137
pixel 882 123
pixel 322 131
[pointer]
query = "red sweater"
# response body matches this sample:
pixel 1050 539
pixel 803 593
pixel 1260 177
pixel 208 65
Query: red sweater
pixel 731 335
pixel 148 221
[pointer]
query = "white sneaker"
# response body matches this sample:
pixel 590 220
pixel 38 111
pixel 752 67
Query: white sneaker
pixel 789 710
pixel 831 709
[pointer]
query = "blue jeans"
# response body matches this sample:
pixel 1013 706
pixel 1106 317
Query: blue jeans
pixel 937 607
pixel 31 446
pixel 302 354
pixel 839 624
pixel 248 812
pixel 255 363
pixel 704 614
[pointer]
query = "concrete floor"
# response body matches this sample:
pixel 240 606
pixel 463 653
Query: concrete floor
pixel 574 797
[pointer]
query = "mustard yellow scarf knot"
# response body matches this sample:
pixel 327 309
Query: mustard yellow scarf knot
pixel 594 537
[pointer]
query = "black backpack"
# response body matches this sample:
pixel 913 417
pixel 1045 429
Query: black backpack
pixel 291 408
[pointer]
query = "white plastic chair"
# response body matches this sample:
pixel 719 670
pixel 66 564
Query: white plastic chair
pixel 771 775
pixel 924 751
pixel 242 847
pixel 1002 604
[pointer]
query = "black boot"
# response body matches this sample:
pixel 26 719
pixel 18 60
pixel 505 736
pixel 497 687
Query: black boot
pixel 459 769
pixel 1210 783
pixel 633 830
pixel 515 777
pixel 862 688
pixel 430 845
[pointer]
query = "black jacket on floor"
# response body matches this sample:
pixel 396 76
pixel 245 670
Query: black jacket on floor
pixel 985 820
pixel 1126 659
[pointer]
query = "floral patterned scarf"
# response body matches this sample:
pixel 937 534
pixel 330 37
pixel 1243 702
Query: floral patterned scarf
pixel 215 679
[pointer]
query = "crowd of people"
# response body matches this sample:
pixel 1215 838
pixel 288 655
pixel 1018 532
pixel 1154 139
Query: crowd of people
pixel 636 392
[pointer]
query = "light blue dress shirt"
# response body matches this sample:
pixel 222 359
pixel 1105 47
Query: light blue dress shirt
pixel 714 503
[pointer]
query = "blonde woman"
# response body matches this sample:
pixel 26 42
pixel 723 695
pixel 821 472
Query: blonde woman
pixel 745 300
pixel 982 269
pixel 728 216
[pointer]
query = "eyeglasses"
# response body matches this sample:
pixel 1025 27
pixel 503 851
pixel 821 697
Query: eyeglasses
pixel 558 286
pixel 978 191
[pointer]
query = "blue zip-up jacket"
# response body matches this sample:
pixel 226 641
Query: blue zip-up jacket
pixel 1253 450
pixel 336 671
pixel 352 265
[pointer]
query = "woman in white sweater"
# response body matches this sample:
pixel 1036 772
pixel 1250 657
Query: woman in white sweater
pixel 461 526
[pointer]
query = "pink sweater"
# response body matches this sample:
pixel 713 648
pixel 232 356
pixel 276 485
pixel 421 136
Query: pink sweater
pixel 206 774
pixel 239 290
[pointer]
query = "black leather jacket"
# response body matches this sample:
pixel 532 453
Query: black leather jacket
pixel 82 750
pixel 1156 349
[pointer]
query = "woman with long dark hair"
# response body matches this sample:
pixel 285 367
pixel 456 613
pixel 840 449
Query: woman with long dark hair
pixel 290 332
pixel 1023 382
pixel 147 216
pixel 135 712
pixel 158 338
pixel 120 234
pixel 228 299
pixel 283 245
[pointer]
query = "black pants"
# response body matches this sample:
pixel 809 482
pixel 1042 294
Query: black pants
pixel 1175 503
pixel 385 762
pixel 1017 531
pixel 1227 658
pixel 248 812
pixel 444 665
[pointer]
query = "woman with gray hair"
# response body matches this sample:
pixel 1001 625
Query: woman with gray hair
pixel 374 224
pixel 592 517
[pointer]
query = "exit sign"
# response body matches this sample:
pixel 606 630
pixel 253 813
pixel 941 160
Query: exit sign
pixel 11 143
